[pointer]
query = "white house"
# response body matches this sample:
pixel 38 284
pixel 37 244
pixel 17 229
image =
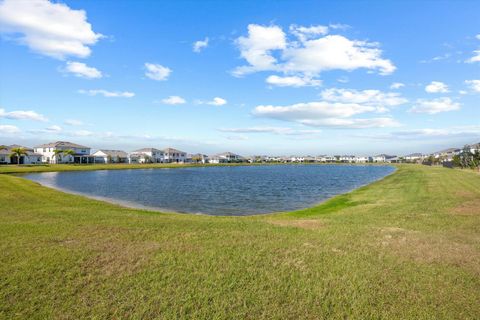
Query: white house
pixel 325 158
pixel 4 156
pixel 226 157
pixel 199 158
pixel 175 156
pixel 110 156
pixel 347 158
pixel 81 154
pixel 382 158
pixel 147 155
pixel 414 157
pixel 30 157
pixel 474 147
pixel 361 159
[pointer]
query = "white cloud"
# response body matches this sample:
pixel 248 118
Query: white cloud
pixel 52 29
pixel 304 33
pixel 358 123
pixel 274 130
pixel 257 46
pixel 429 133
pixel 435 105
pixel 22 115
pixel 81 133
pixel 6 129
pixel 436 87
pixel 174 100
pixel 81 70
pixel 396 85
pixel 476 54
pixel 157 71
pixel 217 101
pixel 269 49
pixel 73 122
pixel 375 98
pixel 325 113
pixel 199 45
pixel 292 81
pixel 474 84
pixel 54 129
pixel 108 94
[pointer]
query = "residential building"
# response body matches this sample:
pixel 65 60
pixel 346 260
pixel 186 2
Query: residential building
pixel 414 157
pixel 325 158
pixel 147 155
pixel 382 158
pixel 199 158
pixel 174 156
pixel 110 156
pixel 81 154
pixel 474 147
pixel 4 156
pixel 347 158
pixel 30 157
pixel 226 157
pixel 362 159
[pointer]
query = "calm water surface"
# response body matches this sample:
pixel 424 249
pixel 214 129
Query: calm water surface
pixel 217 190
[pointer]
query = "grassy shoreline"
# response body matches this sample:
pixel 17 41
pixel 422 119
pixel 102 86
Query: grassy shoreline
pixel 407 246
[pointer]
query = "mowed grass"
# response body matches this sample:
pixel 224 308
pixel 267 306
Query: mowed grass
pixel 405 247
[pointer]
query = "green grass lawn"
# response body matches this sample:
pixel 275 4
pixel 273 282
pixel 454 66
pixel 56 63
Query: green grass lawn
pixel 405 247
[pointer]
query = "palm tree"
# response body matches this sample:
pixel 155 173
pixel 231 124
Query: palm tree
pixel 18 152
pixel 57 153
pixel 69 152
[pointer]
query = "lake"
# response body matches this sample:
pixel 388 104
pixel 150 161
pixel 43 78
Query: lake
pixel 239 190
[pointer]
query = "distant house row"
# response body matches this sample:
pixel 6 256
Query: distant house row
pixel 68 152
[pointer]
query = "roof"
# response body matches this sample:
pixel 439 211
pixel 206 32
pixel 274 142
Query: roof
pixel 384 155
pixel 172 150
pixel 62 144
pixel 475 146
pixel 449 150
pixel 414 155
pixel 147 150
pixel 113 153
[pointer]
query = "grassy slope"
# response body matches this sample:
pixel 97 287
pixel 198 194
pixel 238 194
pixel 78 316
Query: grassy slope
pixel 404 247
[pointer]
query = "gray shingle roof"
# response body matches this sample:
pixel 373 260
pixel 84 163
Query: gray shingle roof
pixel 172 150
pixel 63 144
pixel 146 150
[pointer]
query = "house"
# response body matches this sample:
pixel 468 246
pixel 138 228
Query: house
pixel 383 158
pixel 226 157
pixel 474 147
pixel 110 156
pixel 414 157
pixel 362 159
pixel 325 158
pixel 447 154
pixel 198 158
pixel 347 158
pixel 4 155
pixel 57 152
pixel 174 156
pixel 147 155
pixel 30 157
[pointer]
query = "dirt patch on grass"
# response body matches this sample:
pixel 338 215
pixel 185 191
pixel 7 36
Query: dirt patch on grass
pixel 468 208
pixel 309 224
pixel 414 245
pixel 111 252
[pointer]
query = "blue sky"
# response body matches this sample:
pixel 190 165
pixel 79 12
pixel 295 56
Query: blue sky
pixel 263 77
